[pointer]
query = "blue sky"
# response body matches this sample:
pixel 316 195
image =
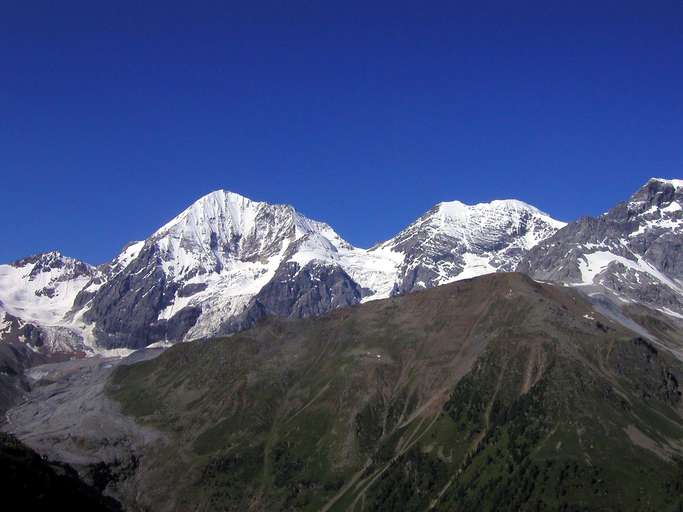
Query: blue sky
pixel 115 117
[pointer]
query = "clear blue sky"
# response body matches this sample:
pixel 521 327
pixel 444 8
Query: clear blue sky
pixel 114 116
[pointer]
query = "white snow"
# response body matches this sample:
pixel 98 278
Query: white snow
pixel 593 264
pixel 671 313
pixel 672 207
pixel 315 247
pixel 239 279
pixel 129 253
pixel 373 270
pixel 475 266
pixel 160 344
pixel 26 296
pixel 484 220
pixel 234 245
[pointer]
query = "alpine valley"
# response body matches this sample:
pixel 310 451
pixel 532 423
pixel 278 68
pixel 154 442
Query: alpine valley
pixel 487 357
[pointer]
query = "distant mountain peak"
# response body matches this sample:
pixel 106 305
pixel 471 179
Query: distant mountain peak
pixel 214 207
pixel 454 240
pixel 464 218
pixel 496 204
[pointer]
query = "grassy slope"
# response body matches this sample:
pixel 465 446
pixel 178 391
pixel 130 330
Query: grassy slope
pixel 491 394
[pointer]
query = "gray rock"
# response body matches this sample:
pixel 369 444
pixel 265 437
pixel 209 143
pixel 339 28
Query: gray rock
pixel 644 238
pixel 297 292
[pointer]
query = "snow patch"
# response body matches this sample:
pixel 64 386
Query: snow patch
pixel 593 264
pixel 475 265
pixel 129 253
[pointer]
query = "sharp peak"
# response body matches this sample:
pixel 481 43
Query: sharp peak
pixel 222 199
pixel 221 194
pixel 224 195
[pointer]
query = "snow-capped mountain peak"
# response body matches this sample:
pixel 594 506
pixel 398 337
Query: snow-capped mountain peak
pixel 483 224
pixel 223 226
pixel 203 266
pixel 230 209
pixel 454 240
pixel 48 277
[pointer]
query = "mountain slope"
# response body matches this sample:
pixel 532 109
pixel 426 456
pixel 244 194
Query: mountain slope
pixel 634 252
pixel 497 393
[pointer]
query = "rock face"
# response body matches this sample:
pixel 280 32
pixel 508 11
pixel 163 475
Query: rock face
pixel 309 291
pixel 126 308
pixel 633 251
pixel 296 292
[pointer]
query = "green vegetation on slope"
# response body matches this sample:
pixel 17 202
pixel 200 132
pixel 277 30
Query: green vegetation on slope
pixel 497 393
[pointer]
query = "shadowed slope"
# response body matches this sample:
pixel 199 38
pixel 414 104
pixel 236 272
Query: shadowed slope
pixel 38 484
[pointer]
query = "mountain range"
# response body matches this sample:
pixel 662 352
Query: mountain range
pixel 334 378
pixel 227 262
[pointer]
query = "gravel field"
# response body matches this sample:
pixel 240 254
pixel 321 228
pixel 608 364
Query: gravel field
pixel 67 417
